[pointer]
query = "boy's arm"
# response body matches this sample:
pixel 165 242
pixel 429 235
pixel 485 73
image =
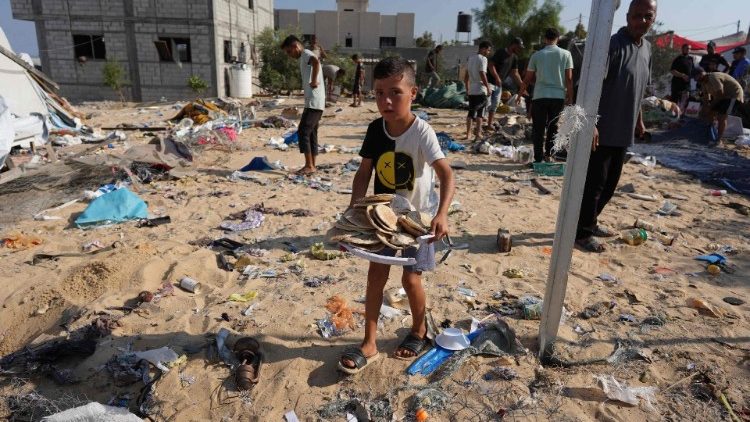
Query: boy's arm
pixel 315 63
pixel 493 72
pixel 361 181
pixel 444 173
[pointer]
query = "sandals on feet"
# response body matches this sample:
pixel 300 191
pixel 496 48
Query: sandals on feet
pixel 360 360
pixel 591 244
pixel 413 344
pixel 600 231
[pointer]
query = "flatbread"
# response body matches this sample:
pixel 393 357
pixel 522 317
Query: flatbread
pixel 335 235
pixel 385 215
pixel 375 223
pixel 381 197
pixel 411 227
pixel 357 217
pixel 367 204
pixel 360 239
pixel 384 238
pixel 343 225
pixel 402 240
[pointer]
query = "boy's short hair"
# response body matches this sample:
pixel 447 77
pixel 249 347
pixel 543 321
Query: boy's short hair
pixel 355 57
pixel 551 34
pixel 485 44
pixel 391 66
pixel 438 47
pixel 290 41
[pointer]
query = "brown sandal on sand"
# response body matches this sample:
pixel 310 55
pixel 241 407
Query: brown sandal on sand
pixel 247 350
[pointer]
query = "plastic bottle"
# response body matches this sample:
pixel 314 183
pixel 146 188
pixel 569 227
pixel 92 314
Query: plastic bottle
pixel 634 237
pixel 645 225
pixel 717 192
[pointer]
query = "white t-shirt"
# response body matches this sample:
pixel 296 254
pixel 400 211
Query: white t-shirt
pixel 314 98
pixel 403 164
pixel 476 65
pixel 330 70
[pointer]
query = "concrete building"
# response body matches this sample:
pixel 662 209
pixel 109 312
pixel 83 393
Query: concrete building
pixel 158 43
pixel 350 26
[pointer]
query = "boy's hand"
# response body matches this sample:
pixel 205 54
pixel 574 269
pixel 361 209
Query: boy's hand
pixel 313 84
pixel 439 227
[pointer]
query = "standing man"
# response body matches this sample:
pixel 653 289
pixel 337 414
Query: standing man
pixel 358 81
pixel 317 49
pixel 315 100
pixel 553 69
pixel 740 64
pixel 710 62
pixel 503 63
pixel 477 87
pixel 682 67
pixel 628 73
pixel 431 65
pixel 725 91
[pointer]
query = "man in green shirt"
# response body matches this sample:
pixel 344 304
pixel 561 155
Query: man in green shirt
pixel 553 68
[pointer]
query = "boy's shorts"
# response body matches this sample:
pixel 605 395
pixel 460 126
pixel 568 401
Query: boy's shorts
pixel 476 105
pixel 356 88
pixel 425 257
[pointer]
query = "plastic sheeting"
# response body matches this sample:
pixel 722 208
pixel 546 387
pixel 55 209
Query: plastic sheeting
pixel 450 95
pixel 6 131
pixel 686 149
pixel 113 207
pixel 94 412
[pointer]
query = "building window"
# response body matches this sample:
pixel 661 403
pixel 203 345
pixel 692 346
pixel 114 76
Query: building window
pixel 89 46
pixel 348 10
pixel 227 51
pixel 250 4
pixel 173 49
pixel 348 41
pixel 387 42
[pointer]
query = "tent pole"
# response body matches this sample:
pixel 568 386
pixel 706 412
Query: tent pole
pixel 589 92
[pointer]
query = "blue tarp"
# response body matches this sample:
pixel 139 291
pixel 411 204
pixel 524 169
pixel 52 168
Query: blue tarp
pixel 448 144
pixel 686 149
pixel 292 139
pixel 113 207
pixel 258 164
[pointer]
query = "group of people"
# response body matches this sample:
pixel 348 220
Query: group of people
pixel 723 87
pixel 403 153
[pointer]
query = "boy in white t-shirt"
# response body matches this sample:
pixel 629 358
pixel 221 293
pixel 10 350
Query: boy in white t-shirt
pixel 315 100
pixel 404 153
pixel 477 87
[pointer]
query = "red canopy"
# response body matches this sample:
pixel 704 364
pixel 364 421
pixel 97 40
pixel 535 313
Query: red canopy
pixel 677 41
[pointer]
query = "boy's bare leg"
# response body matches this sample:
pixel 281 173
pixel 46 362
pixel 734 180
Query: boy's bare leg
pixel 377 277
pixel 478 129
pixel 309 167
pixel 412 283
pixel 468 128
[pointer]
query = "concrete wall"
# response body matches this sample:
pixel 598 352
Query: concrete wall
pixel 130 28
pixel 235 22
pixel 356 5
pixel 366 28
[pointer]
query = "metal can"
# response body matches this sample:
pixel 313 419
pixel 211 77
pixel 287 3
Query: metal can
pixel 504 241
pixel 192 286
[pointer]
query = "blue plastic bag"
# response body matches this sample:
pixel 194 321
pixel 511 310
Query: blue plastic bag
pixel 258 164
pixel 113 207
pixel 292 139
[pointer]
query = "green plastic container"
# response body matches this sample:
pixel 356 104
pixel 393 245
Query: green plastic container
pixel 549 169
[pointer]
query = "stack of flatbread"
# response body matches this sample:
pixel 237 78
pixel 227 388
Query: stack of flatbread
pixel 373 225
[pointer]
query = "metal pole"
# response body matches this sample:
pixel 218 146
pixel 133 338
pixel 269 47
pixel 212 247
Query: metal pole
pixel 589 92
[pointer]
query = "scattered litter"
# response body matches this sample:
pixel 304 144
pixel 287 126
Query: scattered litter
pixel 247 297
pixel 596 310
pixel 734 301
pixel 317 250
pixel 113 207
pixel 17 240
pixel 608 279
pixel 159 357
pixel 627 318
pixel 341 316
pixel 500 373
pixel 514 273
pixel 704 307
pixel 252 220
pixel 319 281
pixel 466 292
pixel 290 416
pixel 614 390
pixel 192 286
pixel 667 208
pixel 93 412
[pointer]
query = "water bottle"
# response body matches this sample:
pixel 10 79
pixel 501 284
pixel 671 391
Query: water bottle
pixel 634 237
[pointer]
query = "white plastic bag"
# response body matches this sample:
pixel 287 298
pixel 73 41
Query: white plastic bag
pixel 6 131
pixel 93 412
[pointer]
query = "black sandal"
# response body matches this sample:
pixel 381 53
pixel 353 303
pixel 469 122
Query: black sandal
pixel 360 361
pixel 413 344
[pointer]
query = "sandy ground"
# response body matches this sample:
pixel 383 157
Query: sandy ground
pixel 300 372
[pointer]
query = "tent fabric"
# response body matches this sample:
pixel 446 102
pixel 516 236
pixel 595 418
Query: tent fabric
pixel 113 207
pixel 6 131
pixel 22 94
pixel 676 41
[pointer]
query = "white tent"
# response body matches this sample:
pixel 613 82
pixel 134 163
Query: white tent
pixel 25 100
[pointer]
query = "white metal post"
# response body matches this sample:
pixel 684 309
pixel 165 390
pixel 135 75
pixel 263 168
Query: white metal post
pixel 589 92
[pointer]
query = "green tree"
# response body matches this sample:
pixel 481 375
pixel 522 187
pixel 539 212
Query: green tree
pixel 114 77
pixel 661 57
pixel 501 20
pixel 425 41
pixel 343 61
pixel 580 31
pixel 197 84
pixel 278 71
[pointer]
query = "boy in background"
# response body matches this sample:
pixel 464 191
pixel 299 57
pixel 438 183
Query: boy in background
pixel 359 79
pixel 315 100
pixel 404 153
pixel 477 87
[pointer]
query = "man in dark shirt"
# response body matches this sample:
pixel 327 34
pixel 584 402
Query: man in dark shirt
pixel 502 64
pixel 431 65
pixel 628 73
pixel 681 69
pixel 710 62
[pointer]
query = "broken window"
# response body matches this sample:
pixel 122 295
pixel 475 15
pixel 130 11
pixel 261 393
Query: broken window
pixel 173 49
pixel 250 4
pixel 387 42
pixel 348 42
pixel 227 51
pixel 89 46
